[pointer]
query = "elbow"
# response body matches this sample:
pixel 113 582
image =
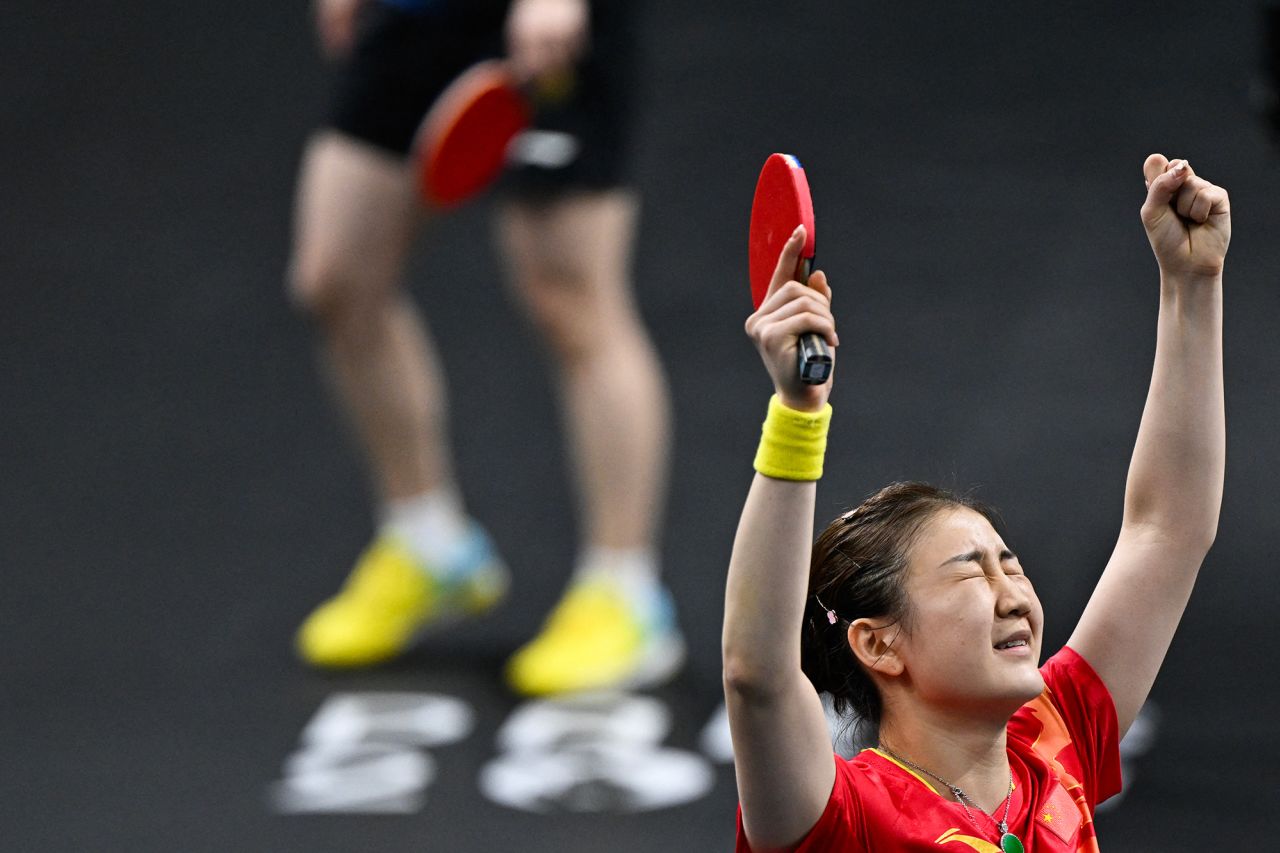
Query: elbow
pixel 1198 536
pixel 1187 538
pixel 1189 524
pixel 1209 536
pixel 1197 539
pixel 747 681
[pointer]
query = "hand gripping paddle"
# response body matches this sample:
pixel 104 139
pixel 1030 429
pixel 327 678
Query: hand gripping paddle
pixel 781 203
pixel 461 146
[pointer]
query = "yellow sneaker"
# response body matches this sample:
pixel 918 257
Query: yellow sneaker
pixel 597 639
pixel 390 598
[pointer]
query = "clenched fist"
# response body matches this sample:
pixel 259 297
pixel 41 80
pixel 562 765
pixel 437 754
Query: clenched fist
pixel 1188 219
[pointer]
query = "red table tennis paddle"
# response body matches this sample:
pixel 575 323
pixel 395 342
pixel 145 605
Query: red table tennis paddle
pixel 781 203
pixel 461 146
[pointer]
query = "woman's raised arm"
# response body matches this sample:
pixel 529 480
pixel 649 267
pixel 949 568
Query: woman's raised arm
pixel 782 750
pixel 1174 490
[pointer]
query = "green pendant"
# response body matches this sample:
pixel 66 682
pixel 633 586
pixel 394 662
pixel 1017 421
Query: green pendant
pixel 1009 843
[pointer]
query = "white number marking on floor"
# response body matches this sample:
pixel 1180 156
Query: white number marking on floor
pixel 364 752
pixel 594 753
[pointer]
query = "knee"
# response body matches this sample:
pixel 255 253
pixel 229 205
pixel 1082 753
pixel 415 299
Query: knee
pixel 569 318
pixel 330 296
pixel 311 287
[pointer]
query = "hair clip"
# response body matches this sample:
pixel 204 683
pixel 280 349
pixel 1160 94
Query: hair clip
pixel 832 618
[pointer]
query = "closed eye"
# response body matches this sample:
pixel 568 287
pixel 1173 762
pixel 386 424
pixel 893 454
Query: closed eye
pixel 1008 563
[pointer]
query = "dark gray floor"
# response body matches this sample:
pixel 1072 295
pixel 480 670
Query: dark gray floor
pixel 177 493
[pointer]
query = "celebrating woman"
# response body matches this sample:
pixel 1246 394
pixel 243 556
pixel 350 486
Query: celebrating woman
pixel 911 610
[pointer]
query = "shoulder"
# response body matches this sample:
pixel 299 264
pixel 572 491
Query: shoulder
pixel 1071 727
pixel 841 825
pixel 888 787
pixel 868 800
pixel 1069 670
pixel 1074 697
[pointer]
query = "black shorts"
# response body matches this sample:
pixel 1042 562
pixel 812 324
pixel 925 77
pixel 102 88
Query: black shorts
pixel 403 60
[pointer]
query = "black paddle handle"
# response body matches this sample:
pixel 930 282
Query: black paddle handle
pixel 813 356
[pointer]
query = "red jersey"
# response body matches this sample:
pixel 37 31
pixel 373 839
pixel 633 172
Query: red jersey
pixel 1064 750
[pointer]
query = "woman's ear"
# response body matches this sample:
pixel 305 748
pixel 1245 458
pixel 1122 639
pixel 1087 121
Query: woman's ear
pixel 874 645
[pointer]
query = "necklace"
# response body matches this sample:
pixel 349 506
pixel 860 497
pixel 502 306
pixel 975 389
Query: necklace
pixel 1009 843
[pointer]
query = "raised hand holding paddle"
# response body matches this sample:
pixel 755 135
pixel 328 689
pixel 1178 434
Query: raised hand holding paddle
pixel 781 203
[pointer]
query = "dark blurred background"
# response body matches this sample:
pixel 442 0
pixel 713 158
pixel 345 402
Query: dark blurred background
pixel 176 492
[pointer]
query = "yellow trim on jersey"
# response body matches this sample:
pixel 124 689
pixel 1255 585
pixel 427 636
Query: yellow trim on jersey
pixel 893 760
pixel 979 844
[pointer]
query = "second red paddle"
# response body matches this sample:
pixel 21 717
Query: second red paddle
pixel 462 142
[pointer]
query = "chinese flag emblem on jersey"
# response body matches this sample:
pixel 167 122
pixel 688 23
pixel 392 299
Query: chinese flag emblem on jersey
pixel 1059 815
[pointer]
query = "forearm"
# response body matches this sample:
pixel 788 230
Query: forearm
pixel 767 584
pixel 1174 486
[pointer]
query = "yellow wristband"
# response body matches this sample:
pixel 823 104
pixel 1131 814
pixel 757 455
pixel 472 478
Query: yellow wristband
pixel 792 444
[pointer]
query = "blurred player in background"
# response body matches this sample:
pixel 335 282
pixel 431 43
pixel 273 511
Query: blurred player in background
pixel 565 223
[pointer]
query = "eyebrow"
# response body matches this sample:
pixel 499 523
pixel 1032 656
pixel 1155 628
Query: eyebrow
pixel 975 556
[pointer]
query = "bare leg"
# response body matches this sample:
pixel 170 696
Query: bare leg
pixel 570 261
pixel 355 221
pixel 615 626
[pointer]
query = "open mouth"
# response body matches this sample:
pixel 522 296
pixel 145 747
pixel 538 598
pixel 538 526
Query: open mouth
pixel 1014 642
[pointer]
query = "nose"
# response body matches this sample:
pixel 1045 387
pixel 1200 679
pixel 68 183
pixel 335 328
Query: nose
pixel 1014 596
